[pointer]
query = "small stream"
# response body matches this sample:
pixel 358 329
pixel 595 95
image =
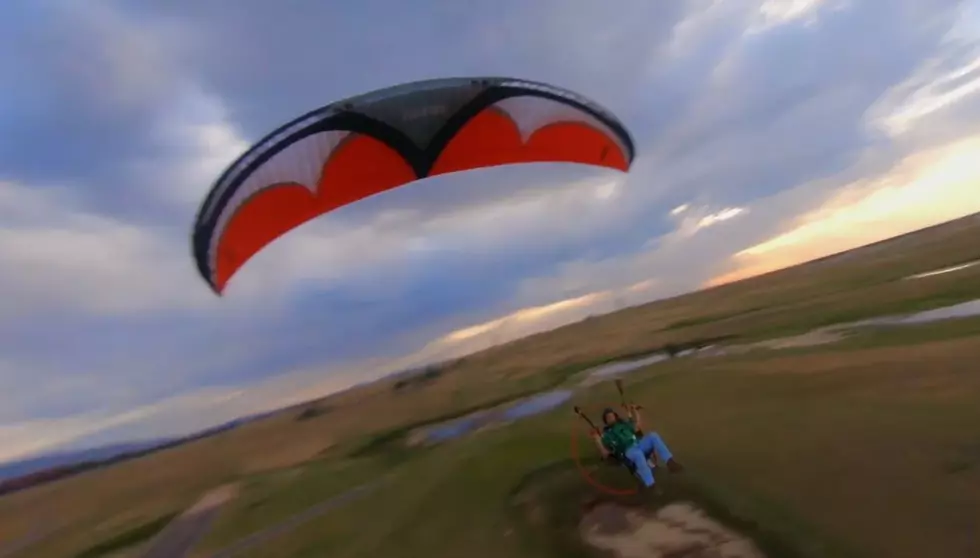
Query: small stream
pixel 547 401
pixel 515 411
pixel 944 270
pixel 623 366
pixel 820 336
pixel 962 310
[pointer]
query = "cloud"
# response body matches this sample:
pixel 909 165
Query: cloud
pixel 698 219
pixel 945 81
pixel 64 258
pixel 21 440
pixel 758 125
pixel 521 323
pixel 926 188
pixel 664 265
pixel 773 13
pixel 195 127
pixel 166 418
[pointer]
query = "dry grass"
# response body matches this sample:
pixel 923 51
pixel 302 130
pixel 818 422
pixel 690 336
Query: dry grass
pixel 871 446
pixel 875 453
pixel 101 503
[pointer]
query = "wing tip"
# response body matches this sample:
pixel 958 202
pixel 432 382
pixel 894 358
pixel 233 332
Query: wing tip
pixel 217 288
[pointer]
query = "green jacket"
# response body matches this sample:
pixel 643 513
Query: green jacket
pixel 619 436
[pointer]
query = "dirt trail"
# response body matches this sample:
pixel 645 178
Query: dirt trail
pixel 255 539
pixel 679 530
pixel 180 536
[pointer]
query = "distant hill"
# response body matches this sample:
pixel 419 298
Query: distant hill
pixel 61 459
pixel 25 473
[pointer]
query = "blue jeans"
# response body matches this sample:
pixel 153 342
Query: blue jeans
pixel 637 455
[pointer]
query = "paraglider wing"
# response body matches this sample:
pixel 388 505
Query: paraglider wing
pixel 358 147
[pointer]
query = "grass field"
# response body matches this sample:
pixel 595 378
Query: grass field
pixel 867 447
pixel 856 455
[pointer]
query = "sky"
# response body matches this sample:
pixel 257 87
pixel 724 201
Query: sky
pixel 767 133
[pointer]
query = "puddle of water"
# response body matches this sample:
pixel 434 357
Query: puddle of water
pixel 963 310
pixel 516 411
pixel 549 400
pixel 454 429
pixel 834 333
pixel 537 404
pixel 623 366
pixel 944 270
